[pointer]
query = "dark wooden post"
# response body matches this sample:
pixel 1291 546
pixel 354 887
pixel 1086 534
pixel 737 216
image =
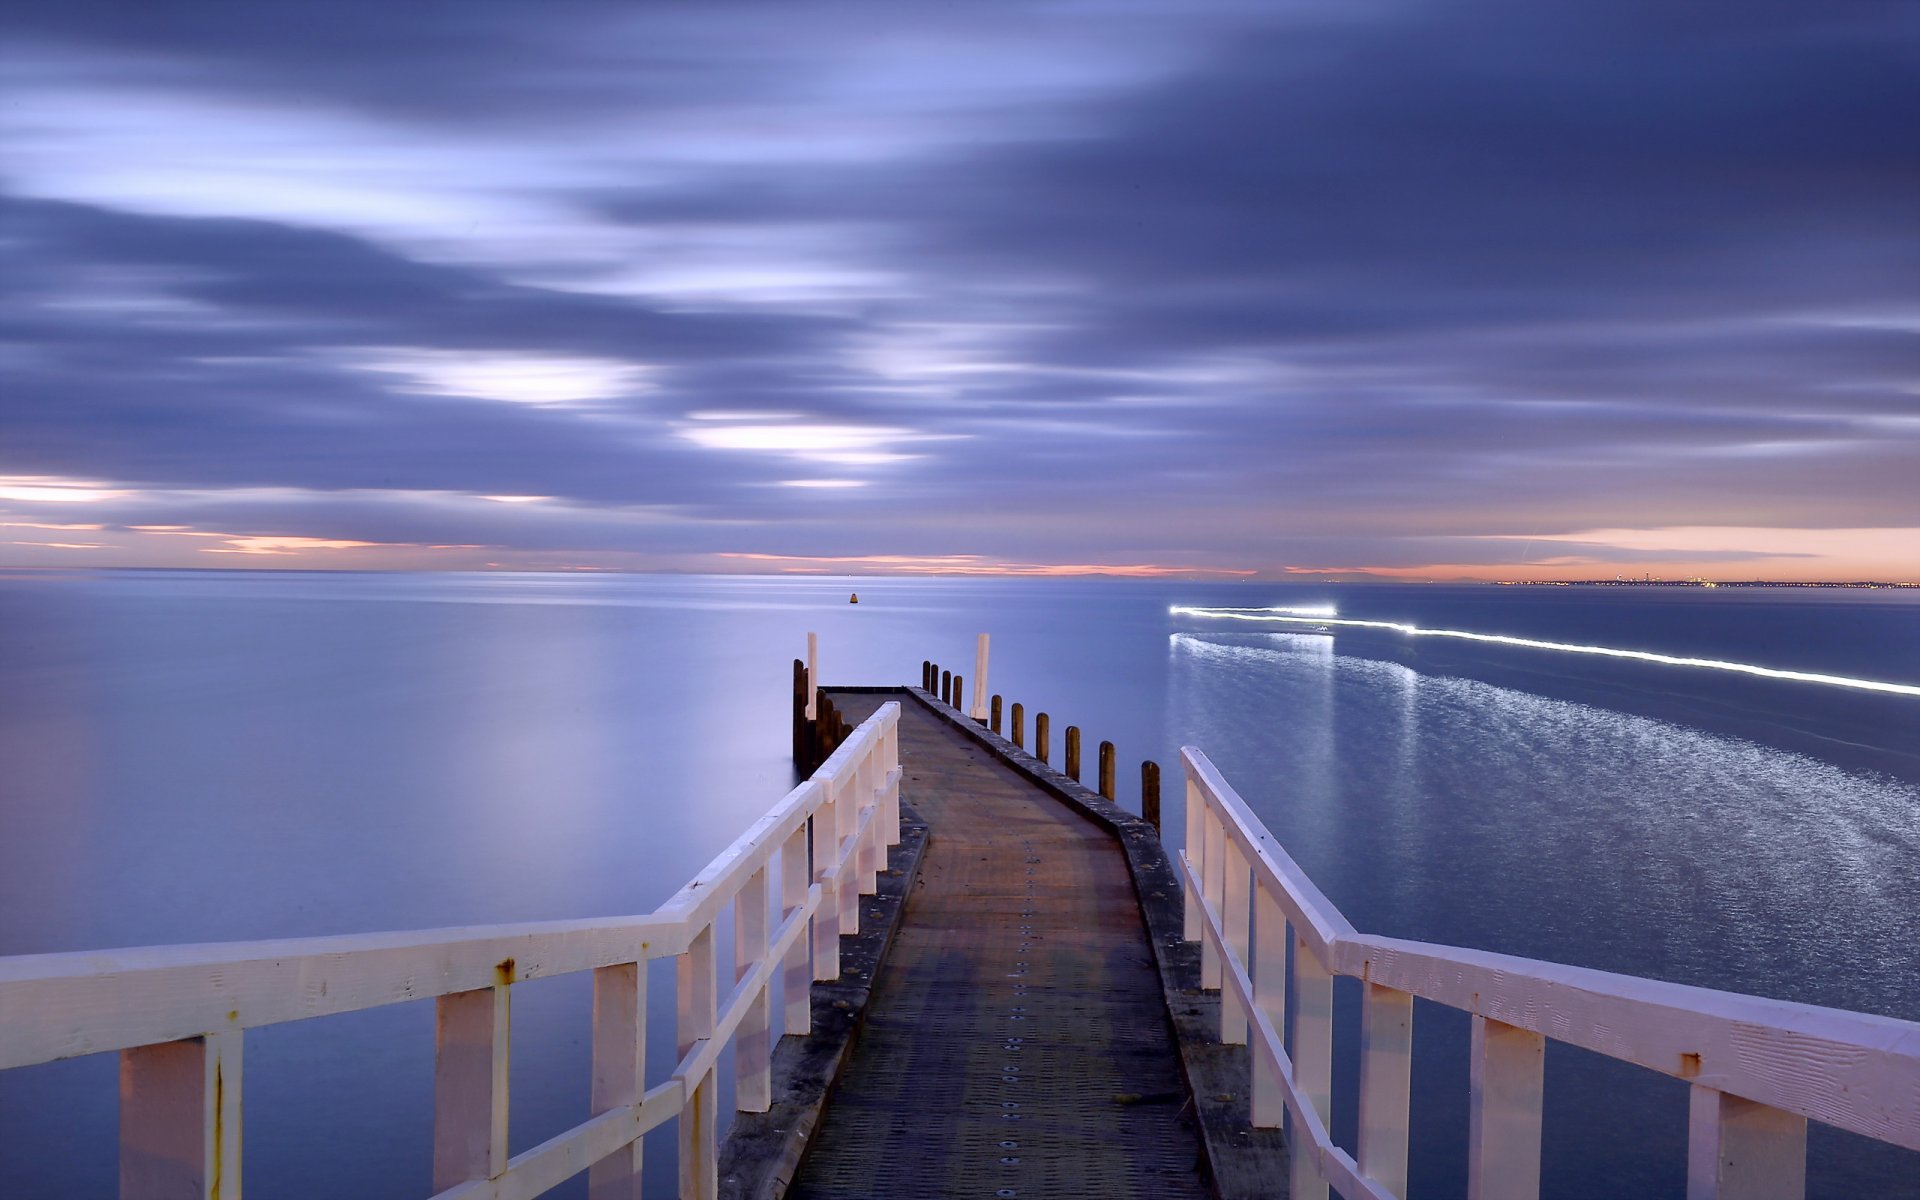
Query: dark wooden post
pixel 1106 769
pixel 960 692
pixel 993 713
pixel 800 716
pixel 1019 725
pixel 1073 753
pixel 946 687
pixel 1041 726
pixel 1150 793
pixel 926 675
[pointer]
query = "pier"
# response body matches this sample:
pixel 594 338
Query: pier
pixel 941 966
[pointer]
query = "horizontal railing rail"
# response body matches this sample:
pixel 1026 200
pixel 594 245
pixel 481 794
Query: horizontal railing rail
pixel 1759 1069
pixel 177 1014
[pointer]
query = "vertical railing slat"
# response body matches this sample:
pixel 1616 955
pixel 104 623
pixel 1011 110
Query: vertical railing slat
pixel 796 973
pixel 826 918
pixel 1213 886
pixel 1270 994
pixel 1196 857
pixel 1504 1087
pixel 470 1058
pixel 1236 922
pixel 619 1070
pixel 1312 1054
pixel 697 993
pixel 1742 1150
pixel 753 1042
pixel 1386 1061
pixel 180 1119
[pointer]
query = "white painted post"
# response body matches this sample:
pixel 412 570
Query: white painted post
pixel 697 992
pixel 1195 846
pixel 1312 1055
pixel 847 819
pixel 180 1119
pixel 979 710
pixel 813 674
pixel 1386 1061
pixel 890 759
pixel 1213 887
pixel 826 918
pixel 1237 923
pixel 470 1043
pixel 619 1070
pixel 1270 994
pixel 1741 1150
pixel 699 1151
pixel 753 1042
pixel 867 790
pixel 796 973
pixel 1504 1088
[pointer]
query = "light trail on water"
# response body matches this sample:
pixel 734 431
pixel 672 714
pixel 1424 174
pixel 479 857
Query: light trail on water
pixel 1324 615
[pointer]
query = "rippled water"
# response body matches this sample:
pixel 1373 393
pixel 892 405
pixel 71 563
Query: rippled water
pixel 199 756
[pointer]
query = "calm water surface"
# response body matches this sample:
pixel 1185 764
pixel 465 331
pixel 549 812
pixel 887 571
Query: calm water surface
pixel 208 756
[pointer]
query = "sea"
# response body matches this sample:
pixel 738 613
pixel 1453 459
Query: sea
pixel 205 756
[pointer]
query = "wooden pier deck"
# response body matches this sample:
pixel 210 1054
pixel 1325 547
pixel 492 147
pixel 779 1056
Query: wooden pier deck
pixel 1017 1041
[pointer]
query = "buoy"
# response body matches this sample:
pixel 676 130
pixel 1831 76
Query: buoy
pixel 854 599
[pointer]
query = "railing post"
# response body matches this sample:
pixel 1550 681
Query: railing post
pixel 1196 848
pixel 697 990
pixel 979 712
pixel 180 1119
pixel 1270 995
pixel 1106 761
pixel 847 821
pixel 946 687
pixel 993 713
pixel 753 1043
pixel 1073 753
pixel 1150 793
pixel 926 675
pixel 1312 1055
pixel 959 692
pixel 1213 888
pixel 1236 922
pixel 889 764
pixel 1503 1111
pixel 1019 725
pixel 826 918
pixel 619 1070
pixel 796 975
pixel 1041 729
pixel 1742 1150
pixel 470 1045
pixel 1386 1058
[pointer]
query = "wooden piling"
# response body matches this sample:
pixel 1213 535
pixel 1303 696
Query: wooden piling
pixel 1041 727
pixel 960 692
pixel 1019 725
pixel 1106 769
pixel 1150 793
pixel 926 675
pixel 946 687
pixel 800 729
pixel 1073 753
pixel 993 714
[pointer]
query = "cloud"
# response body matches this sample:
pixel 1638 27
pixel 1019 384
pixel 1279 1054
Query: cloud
pixel 1226 283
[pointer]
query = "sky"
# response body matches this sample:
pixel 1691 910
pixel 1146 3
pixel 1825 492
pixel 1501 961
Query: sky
pixel 1477 289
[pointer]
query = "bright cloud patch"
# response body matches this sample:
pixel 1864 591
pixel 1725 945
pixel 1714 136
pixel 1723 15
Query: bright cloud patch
pixel 543 380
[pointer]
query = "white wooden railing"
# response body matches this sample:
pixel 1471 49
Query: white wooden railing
pixel 177 1014
pixel 1759 1069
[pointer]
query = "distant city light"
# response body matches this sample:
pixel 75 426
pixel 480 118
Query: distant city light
pixel 1294 616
